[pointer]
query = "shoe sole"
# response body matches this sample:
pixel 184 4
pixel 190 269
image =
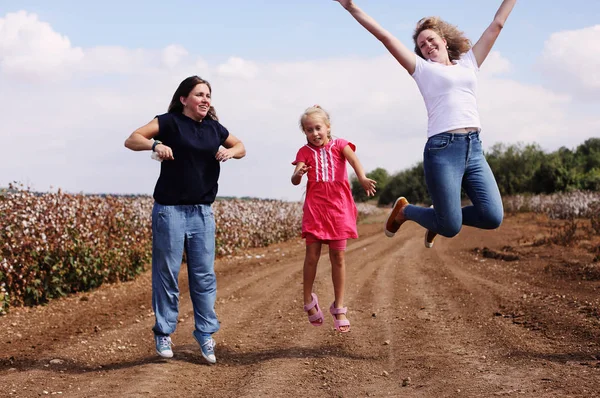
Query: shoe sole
pixel 392 215
pixel 210 361
pixel 162 354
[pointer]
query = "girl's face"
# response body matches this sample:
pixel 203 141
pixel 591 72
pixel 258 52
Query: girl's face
pixel 316 129
pixel 197 103
pixel 432 46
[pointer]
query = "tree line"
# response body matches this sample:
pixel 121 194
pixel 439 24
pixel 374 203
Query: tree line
pixel 518 168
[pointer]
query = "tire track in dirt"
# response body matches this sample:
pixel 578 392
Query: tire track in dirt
pixel 311 349
pixel 499 350
pixel 237 347
pixel 427 314
pixel 424 346
pixel 253 349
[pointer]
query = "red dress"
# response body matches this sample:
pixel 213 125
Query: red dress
pixel 329 209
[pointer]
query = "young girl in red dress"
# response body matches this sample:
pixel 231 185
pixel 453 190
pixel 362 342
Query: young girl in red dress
pixel 329 210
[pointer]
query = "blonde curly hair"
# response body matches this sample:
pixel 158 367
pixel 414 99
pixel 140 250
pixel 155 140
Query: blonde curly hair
pixel 456 40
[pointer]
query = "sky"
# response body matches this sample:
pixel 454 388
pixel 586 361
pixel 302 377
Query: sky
pixel 77 78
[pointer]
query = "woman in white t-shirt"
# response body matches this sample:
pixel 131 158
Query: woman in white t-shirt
pixel 445 67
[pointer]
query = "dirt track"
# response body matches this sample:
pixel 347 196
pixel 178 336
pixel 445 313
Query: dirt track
pixel 425 323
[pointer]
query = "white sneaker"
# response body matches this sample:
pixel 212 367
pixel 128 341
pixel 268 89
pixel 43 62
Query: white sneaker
pixel 207 347
pixel 163 346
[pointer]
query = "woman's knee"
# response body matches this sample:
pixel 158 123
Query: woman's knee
pixel 450 230
pixel 449 226
pixel 493 219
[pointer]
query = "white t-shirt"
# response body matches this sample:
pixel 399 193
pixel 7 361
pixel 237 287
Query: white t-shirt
pixel 449 93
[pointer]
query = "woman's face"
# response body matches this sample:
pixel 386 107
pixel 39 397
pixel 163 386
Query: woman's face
pixel 197 103
pixel 432 46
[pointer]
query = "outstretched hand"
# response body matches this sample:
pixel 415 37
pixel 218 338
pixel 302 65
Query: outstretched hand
pixel 368 185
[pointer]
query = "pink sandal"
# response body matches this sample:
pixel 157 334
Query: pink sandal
pixel 338 324
pixel 315 319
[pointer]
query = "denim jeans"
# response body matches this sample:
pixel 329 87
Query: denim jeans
pixel 175 229
pixel 452 161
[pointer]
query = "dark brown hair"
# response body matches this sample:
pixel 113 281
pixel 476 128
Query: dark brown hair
pixel 184 89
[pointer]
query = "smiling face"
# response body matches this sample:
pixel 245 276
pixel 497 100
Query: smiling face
pixel 317 129
pixel 432 46
pixel 197 103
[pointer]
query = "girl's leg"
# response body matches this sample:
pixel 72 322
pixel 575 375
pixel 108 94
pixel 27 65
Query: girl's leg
pixel 481 187
pixel 168 238
pixel 338 276
pixel 444 165
pixel 311 259
pixel 200 250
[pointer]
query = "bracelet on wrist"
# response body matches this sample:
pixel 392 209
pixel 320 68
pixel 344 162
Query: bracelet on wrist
pixel 156 142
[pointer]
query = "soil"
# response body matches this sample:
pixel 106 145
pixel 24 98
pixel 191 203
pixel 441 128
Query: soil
pixel 484 314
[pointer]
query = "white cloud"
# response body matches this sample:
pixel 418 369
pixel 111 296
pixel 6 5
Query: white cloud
pixel 512 112
pixel 238 67
pixel 571 61
pixel 173 55
pixel 30 48
pixel 108 60
pixel 70 135
pixel 495 64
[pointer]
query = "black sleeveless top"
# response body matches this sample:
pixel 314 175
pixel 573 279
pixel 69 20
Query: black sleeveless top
pixel 192 178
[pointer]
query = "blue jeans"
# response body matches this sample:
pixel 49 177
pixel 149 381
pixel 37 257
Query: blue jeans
pixel 175 229
pixel 452 161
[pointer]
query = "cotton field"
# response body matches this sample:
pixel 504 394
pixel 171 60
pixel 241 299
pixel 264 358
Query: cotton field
pixel 57 243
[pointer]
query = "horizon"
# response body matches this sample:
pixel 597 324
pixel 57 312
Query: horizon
pixel 245 197
pixel 78 78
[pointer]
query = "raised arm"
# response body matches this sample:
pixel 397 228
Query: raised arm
pixel 403 54
pixel 484 45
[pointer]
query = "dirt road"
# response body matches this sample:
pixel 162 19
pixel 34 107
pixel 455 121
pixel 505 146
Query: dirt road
pixel 439 322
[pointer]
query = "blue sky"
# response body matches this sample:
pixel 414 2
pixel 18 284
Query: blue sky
pixel 105 68
pixel 275 29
